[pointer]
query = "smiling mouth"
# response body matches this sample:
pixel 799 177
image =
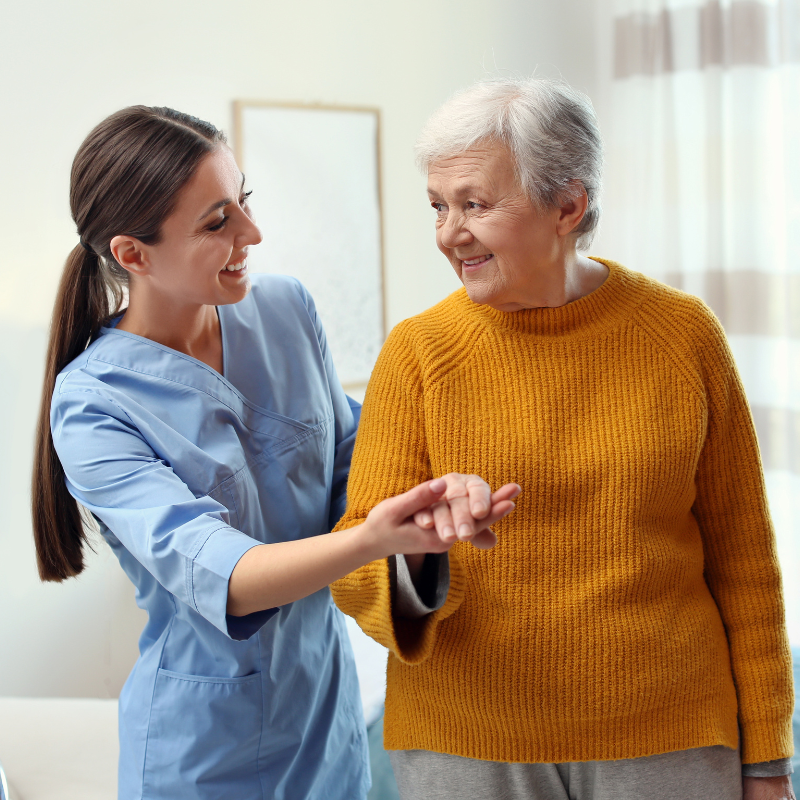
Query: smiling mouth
pixel 236 268
pixel 477 262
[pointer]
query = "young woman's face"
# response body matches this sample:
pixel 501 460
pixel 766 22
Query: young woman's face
pixel 202 255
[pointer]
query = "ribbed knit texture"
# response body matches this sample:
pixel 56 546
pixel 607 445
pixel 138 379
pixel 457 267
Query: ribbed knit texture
pixel 596 628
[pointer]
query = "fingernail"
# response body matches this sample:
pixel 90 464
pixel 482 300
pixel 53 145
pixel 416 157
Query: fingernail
pixel 438 485
pixel 479 508
pixel 448 532
pixel 464 532
pixel 509 510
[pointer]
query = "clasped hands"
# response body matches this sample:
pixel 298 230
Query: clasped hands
pixel 431 517
pixel 466 510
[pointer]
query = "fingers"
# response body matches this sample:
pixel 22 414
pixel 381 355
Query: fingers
pixel 480 496
pixel 443 520
pixel 454 516
pixel 507 492
pixel 424 518
pixel 473 489
pixel 416 500
pixel 499 510
pixel 463 523
pixel 484 540
pixel 467 508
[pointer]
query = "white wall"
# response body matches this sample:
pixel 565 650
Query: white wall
pixel 66 66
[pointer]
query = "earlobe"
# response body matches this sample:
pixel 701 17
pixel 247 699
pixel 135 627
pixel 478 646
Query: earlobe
pixel 130 254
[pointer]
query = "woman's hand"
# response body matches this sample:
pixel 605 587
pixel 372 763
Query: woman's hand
pixel 272 575
pixel 463 512
pixel 405 528
pixel 768 788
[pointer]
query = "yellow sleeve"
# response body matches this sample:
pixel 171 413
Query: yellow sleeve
pixel 390 457
pixel 741 560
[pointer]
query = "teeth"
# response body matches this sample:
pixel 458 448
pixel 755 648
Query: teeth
pixel 471 262
pixel 236 267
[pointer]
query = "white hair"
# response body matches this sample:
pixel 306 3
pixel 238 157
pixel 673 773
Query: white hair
pixel 549 128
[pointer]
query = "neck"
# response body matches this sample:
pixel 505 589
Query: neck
pixel 188 328
pixel 566 278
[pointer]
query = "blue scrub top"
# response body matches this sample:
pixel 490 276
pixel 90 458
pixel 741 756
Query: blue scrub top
pixel 186 470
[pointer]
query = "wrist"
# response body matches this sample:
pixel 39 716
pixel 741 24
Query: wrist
pixel 414 562
pixel 369 542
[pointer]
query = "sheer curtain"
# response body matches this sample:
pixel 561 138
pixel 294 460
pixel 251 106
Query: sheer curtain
pixel 704 194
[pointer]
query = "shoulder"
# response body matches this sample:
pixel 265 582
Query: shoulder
pixel 672 313
pixel 278 301
pixel 438 338
pixel 665 305
pixel 276 291
pixel 681 326
pixel 82 404
pixel 77 375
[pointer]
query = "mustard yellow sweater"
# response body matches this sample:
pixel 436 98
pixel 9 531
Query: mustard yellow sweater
pixel 632 605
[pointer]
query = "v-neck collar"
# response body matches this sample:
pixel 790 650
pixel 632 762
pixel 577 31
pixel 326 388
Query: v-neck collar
pixel 208 371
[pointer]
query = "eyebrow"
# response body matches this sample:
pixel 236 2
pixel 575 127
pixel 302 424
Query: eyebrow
pixel 460 191
pixel 219 204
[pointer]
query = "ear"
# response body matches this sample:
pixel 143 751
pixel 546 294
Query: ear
pixel 130 254
pixel 572 211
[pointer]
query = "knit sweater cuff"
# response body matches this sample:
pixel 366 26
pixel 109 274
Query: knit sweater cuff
pixel 766 741
pixel 366 595
pixel 412 601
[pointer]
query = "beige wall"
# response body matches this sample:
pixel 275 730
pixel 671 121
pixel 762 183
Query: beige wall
pixel 66 66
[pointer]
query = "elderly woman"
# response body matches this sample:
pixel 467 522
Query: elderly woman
pixel 625 637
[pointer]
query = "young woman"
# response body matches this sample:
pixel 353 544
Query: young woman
pixel 205 431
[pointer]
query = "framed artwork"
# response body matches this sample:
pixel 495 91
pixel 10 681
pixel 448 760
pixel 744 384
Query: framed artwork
pixel 315 175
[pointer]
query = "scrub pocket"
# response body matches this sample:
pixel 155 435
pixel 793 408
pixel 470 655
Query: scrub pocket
pixel 203 738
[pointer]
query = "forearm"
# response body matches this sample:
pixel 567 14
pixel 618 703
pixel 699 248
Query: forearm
pixel 272 575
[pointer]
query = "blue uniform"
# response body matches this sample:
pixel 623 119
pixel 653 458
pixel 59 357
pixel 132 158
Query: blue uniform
pixel 186 470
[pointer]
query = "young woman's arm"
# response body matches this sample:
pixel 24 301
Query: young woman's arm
pixel 185 541
pixel 271 575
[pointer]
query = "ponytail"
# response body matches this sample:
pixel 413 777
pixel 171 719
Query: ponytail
pixel 126 178
pixel 86 299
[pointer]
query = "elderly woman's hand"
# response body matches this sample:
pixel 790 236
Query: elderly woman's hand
pixel 465 513
pixel 467 510
pixel 768 788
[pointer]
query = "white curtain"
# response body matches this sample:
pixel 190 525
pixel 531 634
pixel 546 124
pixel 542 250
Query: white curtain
pixel 704 194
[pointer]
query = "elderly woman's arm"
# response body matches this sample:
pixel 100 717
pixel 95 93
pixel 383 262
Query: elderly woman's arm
pixel 391 453
pixel 741 563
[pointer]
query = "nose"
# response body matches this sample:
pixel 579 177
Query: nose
pixel 249 233
pixel 453 233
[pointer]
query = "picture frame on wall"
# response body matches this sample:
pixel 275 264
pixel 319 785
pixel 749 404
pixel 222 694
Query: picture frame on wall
pixel 316 180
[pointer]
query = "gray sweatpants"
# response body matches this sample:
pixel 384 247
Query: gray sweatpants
pixel 705 772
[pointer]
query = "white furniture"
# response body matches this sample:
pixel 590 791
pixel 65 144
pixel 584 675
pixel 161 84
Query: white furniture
pixel 59 748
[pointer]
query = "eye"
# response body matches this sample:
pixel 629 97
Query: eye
pixel 244 197
pixel 219 226
pixel 472 205
pixel 439 208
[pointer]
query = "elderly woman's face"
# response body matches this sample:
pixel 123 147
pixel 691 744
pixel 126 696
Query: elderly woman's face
pixel 498 243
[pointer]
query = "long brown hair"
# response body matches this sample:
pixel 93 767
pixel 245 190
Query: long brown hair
pixel 125 180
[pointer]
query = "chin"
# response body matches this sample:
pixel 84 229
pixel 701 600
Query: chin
pixel 479 294
pixel 235 294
